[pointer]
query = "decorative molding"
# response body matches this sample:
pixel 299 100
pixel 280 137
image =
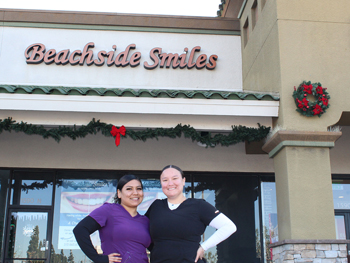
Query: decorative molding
pixel 109 20
pixel 123 28
pixel 284 138
pixel 138 105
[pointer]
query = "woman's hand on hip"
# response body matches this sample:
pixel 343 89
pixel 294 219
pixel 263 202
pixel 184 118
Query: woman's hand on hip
pixel 200 253
pixel 114 257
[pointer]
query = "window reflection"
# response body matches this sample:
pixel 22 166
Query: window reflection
pixel 4 186
pixel 340 227
pixel 257 228
pixel 74 200
pixel 341 194
pixel 152 190
pixel 28 231
pixel 36 191
pixel 269 212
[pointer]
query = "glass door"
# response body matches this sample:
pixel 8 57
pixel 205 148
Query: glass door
pixel 29 218
pixel 27 239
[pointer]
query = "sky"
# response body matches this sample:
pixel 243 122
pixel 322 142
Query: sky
pixel 161 7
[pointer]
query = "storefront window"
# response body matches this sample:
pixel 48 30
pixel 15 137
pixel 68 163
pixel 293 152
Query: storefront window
pixel 235 197
pixel 341 201
pixel 4 186
pixel 257 228
pixel 32 189
pixel 341 194
pixel 74 200
pixel 61 199
pixel 28 236
pixel 269 217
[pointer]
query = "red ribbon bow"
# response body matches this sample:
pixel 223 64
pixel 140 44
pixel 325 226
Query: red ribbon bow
pixel 116 132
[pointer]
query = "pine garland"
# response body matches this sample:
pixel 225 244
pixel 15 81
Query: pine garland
pixel 238 133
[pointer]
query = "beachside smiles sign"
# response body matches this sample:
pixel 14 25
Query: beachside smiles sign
pixel 36 54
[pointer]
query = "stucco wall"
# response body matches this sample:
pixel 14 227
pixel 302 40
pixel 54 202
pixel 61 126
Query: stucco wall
pixel 312 42
pixel 261 65
pixel 99 152
pixel 295 41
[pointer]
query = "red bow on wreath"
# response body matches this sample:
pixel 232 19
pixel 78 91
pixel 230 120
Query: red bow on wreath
pixel 116 133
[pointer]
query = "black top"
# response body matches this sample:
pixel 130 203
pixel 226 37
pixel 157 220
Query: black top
pixel 176 233
pixel 82 233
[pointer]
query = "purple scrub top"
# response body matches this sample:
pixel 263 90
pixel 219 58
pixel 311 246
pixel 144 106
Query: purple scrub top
pixel 121 233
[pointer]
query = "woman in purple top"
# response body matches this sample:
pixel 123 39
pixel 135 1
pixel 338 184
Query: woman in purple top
pixel 123 232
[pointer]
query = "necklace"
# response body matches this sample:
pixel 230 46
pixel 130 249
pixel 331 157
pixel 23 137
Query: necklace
pixel 174 206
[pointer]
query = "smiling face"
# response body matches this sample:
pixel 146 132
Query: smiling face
pixel 172 183
pixel 131 194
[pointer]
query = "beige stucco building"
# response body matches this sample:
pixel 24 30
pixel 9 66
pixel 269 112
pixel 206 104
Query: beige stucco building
pixel 285 43
pixel 287 191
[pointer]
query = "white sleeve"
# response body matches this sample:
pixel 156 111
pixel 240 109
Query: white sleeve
pixel 225 228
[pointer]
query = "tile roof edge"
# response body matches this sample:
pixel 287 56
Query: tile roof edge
pixel 127 92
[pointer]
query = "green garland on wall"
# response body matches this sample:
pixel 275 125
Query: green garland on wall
pixel 238 133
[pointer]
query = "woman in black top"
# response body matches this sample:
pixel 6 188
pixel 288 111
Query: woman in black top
pixel 177 223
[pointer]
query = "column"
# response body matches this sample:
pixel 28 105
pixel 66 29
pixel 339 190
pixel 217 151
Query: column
pixel 305 208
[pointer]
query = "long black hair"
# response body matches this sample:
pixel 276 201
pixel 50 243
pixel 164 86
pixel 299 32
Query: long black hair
pixel 174 167
pixel 122 181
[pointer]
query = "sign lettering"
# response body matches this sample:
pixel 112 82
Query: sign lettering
pixel 36 54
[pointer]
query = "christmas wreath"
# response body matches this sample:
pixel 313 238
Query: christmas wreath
pixel 315 107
